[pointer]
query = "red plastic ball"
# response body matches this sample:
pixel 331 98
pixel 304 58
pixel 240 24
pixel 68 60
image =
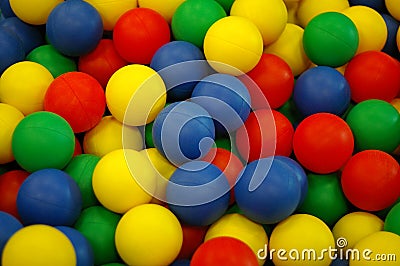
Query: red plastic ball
pixel 193 237
pixel 263 129
pixel 10 182
pixel 274 82
pixel 102 62
pixel 323 143
pixel 224 251
pixel 78 98
pixel 138 34
pixel 371 180
pixel 373 75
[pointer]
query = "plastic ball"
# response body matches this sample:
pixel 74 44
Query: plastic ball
pixel 371 180
pixel 148 227
pixel 375 125
pixel 98 226
pixel 9 225
pixel 270 195
pixel 81 169
pixel 392 26
pixel 393 8
pixel 11 116
pixel 181 263
pixel 191 20
pixel 82 247
pixel 82 103
pixel 373 75
pixel 224 251
pixel 181 65
pixel 38 245
pixel 238 226
pixel 49 196
pixel 270 17
pixel 225 98
pixel 323 143
pixel 102 62
pixel 378 5
pixel 308 9
pixel 183 131
pixel 198 193
pixel 382 249
pixel 138 33
pixel 289 47
pixel 11 50
pixel 370 25
pixel 10 183
pixel 166 8
pixel 233 45
pixel 33 12
pixel 330 39
pixel 355 226
pixel 193 237
pixel 29 35
pixel 24 85
pixel 109 135
pixel 325 198
pixel 392 220
pixel 270 82
pixel 265 133
pixel 43 140
pixel 53 60
pixel 321 89
pixel 5 8
pixel 110 11
pixel 301 232
pixel 84 30
pixel 135 94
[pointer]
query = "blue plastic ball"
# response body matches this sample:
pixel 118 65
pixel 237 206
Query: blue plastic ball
pixel 181 65
pixel 29 35
pixel 11 50
pixel 225 98
pixel 49 196
pixel 83 249
pixel 321 89
pixel 6 9
pixel 392 26
pixel 8 226
pixel 183 131
pixel 339 262
pixel 198 193
pixel 378 5
pixel 267 191
pixel 74 28
pixel 181 263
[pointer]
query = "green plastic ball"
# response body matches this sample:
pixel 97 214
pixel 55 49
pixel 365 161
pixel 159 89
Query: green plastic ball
pixel 148 136
pixel 392 221
pixel 81 168
pixel 43 140
pixel 53 60
pixel 325 198
pixel 193 18
pixel 98 225
pixel 330 39
pixel 375 125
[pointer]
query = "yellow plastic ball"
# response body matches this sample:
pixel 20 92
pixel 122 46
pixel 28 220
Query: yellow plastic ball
pixel 166 7
pixel 289 47
pixel 123 179
pixel 33 12
pixel 270 17
pixel 24 85
pixel 110 135
pixel 163 170
pixel 378 249
pixel 38 245
pixel 238 226
pixel 233 45
pixel 110 11
pixel 371 27
pixel 393 6
pixel 308 9
pixel 135 94
pixel 9 119
pixel 355 226
pixel 149 235
pixel 303 239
